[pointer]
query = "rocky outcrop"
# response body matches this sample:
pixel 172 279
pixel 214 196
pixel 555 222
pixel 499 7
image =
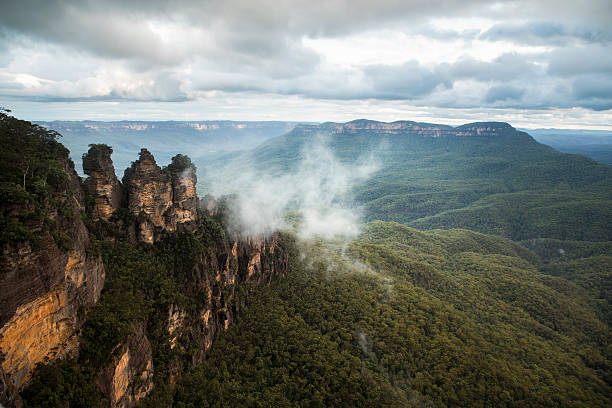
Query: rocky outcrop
pixel 184 210
pixel 149 196
pixel 102 182
pixel 45 290
pixel 226 274
pixel 161 199
pixel 129 376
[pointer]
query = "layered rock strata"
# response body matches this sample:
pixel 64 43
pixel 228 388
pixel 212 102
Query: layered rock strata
pixel 161 199
pixel 403 127
pixel 44 292
pixel 102 182
pixel 226 274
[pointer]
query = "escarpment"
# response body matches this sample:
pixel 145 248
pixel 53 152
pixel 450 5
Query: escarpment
pixel 47 281
pixel 403 127
pixel 188 280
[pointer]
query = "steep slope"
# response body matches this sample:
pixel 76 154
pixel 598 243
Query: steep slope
pixel 48 278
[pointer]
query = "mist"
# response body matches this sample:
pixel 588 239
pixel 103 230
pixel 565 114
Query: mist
pixel 314 199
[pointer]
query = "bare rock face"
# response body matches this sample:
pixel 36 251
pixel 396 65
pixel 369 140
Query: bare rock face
pixel 184 211
pixel 102 182
pixel 46 289
pixel 161 199
pixel 403 127
pixel 149 196
pixel 44 292
pixel 129 376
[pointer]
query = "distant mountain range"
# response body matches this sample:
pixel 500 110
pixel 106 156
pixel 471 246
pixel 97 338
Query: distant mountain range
pixel 164 139
pixel 597 144
pixel 207 138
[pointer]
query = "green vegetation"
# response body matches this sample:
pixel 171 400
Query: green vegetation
pixel 407 318
pixel 527 214
pixel 34 182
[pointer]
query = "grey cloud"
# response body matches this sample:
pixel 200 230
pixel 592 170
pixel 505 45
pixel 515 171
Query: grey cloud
pixel 436 33
pixel 544 33
pixel 505 67
pixel 117 35
pixel 238 46
pixel 591 13
pixel 572 61
pixel 594 91
pixel 163 87
pixel 504 93
pixel 407 81
pixel 122 29
pixel 412 80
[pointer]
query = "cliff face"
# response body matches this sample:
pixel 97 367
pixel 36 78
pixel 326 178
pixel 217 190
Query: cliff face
pixel 489 129
pixel 102 182
pixel 214 287
pixel 45 289
pixel 183 212
pixel 129 376
pixel 226 274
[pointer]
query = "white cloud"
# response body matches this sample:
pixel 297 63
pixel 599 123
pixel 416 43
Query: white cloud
pixel 318 189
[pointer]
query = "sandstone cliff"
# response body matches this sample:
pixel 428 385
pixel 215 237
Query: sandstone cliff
pixel 226 273
pixel 210 292
pixel 404 127
pixel 129 376
pixel 45 288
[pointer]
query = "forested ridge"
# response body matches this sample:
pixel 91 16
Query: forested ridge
pixel 507 184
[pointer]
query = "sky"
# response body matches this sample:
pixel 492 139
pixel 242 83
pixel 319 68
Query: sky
pixel 531 63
